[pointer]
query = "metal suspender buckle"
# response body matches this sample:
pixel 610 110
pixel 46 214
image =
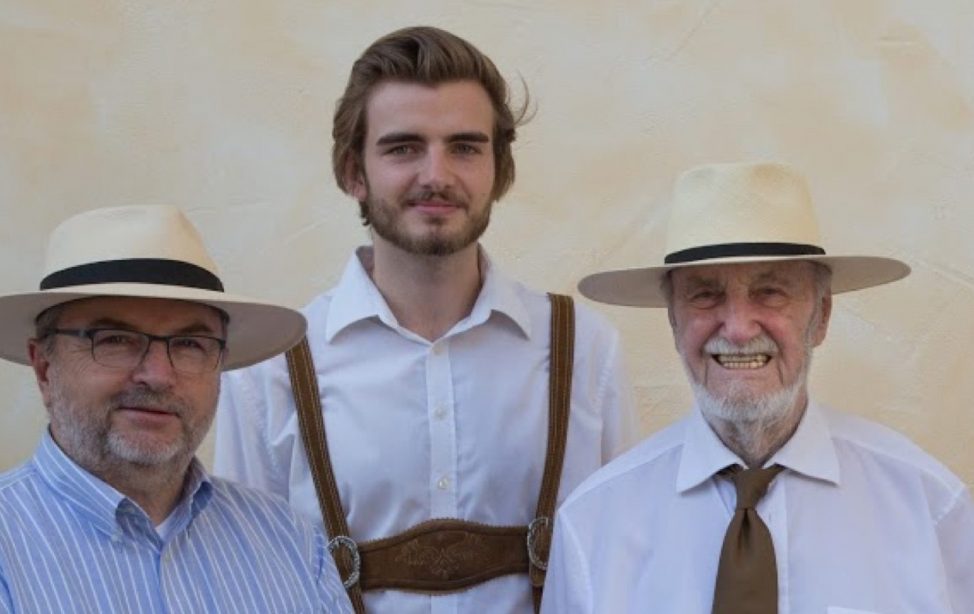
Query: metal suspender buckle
pixel 541 523
pixel 349 544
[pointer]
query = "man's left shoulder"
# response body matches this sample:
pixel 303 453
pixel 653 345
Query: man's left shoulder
pixel 588 321
pixel 256 505
pixel 888 445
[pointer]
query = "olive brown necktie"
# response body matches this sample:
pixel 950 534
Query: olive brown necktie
pixel 747 578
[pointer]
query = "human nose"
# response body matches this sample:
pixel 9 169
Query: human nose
pixel 156 366
pixel 437 171
pixel 739 320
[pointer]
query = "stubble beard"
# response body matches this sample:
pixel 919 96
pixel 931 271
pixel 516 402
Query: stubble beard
pixel 386 221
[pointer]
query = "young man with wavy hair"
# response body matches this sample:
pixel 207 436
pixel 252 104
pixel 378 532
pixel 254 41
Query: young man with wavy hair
pixel 434 370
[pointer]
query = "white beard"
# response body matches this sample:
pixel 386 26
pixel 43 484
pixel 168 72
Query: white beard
pixel 749 418
pixel 744 410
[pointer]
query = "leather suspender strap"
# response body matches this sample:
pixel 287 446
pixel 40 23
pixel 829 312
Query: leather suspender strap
pixel 304 385
pixel 560 365
pixel 441 555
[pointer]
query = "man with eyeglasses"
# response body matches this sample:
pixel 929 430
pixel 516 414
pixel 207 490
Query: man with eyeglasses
pixel 127 338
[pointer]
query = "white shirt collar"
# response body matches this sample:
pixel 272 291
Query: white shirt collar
pixel 810 451
pixel 356 298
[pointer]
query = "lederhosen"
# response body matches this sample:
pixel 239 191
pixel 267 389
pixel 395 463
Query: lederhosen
pixel 402 562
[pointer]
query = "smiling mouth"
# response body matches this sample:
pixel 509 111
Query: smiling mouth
pixel 741 361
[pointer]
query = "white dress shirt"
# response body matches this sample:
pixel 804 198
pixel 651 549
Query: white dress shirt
pixel 862 521
pixel 419 429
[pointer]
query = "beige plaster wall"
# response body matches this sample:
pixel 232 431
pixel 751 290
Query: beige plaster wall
pixel 223 107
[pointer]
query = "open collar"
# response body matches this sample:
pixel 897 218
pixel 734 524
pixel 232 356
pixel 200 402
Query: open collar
pixel 357 298
pixel 99 502
pixel 810 451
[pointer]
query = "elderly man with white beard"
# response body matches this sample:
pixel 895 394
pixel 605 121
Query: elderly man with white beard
pixel 760 500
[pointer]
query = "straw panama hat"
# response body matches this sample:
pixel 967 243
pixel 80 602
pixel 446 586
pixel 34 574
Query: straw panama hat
pixel 146 251
pixel 739 213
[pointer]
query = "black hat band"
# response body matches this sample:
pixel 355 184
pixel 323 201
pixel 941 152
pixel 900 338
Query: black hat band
pixel 135 270
pixel 738 250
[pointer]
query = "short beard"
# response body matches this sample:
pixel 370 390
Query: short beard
pixel 748 411
pixel 385 221
pixel 753 422
pixel 97 447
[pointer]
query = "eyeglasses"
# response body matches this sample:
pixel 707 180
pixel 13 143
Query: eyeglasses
pixel 126 349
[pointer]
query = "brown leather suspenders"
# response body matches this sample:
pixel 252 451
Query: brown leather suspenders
pixel 467 553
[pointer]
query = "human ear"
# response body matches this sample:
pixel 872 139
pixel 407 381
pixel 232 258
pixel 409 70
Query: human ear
pixel 824 315
pixel 40 362
pixel 355 183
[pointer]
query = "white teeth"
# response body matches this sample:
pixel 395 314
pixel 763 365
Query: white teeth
pixel 742 361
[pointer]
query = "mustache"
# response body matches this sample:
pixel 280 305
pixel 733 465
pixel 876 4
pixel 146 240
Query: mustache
pixel 148 398
pixel 762 344
pixel 445 195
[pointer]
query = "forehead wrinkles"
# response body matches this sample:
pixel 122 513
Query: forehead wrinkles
pixel 784 273
pixel 158 316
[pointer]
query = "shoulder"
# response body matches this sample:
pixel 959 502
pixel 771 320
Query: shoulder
pixel 22 497
pixel 18 478
pixel 247 498
pixel 590 325
pixel 658 455
pixel 886 447
pixel 274 369
pixel 316 311
pixel 252 506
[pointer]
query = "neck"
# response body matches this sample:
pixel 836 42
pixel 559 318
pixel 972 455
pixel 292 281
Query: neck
pixel 427 294
pixel 755 441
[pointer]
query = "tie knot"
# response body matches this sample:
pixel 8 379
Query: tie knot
pixel 751 484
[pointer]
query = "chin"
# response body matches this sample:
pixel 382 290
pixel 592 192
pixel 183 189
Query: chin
pixel 745 407
pixel 145 454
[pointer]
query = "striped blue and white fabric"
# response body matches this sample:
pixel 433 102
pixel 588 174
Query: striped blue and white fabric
pixel 70 543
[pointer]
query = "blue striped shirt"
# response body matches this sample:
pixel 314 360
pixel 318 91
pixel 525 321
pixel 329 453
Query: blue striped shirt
pixel 71 543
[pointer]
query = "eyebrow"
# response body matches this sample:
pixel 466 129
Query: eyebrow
pixel 397 138
pixel 696 281
pixel 193 328
pixel 774 277
pixel 468 137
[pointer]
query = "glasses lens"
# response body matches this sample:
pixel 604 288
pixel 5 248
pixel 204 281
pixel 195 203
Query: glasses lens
pixel 194 354
pixel 117 348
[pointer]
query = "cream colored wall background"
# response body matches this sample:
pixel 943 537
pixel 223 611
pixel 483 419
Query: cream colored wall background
pixel 224 107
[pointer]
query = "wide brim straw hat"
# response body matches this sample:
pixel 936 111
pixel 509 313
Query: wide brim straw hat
pixel 739 213
pixel 143 251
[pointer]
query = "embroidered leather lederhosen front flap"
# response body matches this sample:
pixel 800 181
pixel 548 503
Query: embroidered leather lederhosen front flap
pixel 442 556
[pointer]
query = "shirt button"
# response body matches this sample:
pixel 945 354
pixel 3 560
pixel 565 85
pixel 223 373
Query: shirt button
pixel 440 412
pixel 443 483
pixel 438 349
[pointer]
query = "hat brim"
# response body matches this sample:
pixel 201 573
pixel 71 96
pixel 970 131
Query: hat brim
pixel 641 287
pixel 256 331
